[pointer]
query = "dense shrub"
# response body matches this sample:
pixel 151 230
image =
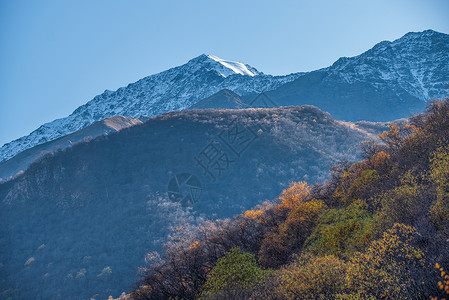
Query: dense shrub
pixel 233 276
pixel 342 231
pixel 311 277
pixel 357 183
pixel 390 268
pixel 439 174
pixel 407 203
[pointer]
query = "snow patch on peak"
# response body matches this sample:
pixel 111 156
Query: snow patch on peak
pixel 233 67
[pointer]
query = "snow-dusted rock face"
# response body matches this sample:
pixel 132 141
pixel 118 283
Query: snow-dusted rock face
pixel 417 63
pixel 390 81
pixel 176 88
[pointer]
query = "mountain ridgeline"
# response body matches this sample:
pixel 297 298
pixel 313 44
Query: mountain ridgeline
pixel 176 88
pixel 78 223
pixel 390 81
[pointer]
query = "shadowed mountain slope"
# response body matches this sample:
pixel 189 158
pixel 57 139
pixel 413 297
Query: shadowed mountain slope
pixel 79 222
pixel 21 161
pixel 224 99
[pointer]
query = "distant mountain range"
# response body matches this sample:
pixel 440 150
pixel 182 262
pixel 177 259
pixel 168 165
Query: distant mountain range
pixel 176 88
pixel 389 81
pixel 78 223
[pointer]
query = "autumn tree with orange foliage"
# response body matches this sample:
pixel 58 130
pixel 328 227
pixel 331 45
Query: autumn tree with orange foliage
pixel 300 213
pixel 443 283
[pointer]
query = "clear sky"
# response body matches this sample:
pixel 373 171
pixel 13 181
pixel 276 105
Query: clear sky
pixel 57 55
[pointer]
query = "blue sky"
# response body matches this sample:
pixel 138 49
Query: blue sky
pixel 57 55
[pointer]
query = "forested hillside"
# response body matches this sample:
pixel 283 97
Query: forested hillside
pixel 78 222
pixel 377 229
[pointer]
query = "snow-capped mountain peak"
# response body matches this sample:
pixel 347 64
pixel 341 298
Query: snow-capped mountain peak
pixel 415 63
pixel 222 67
pixel 177 88
pixel 227 67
